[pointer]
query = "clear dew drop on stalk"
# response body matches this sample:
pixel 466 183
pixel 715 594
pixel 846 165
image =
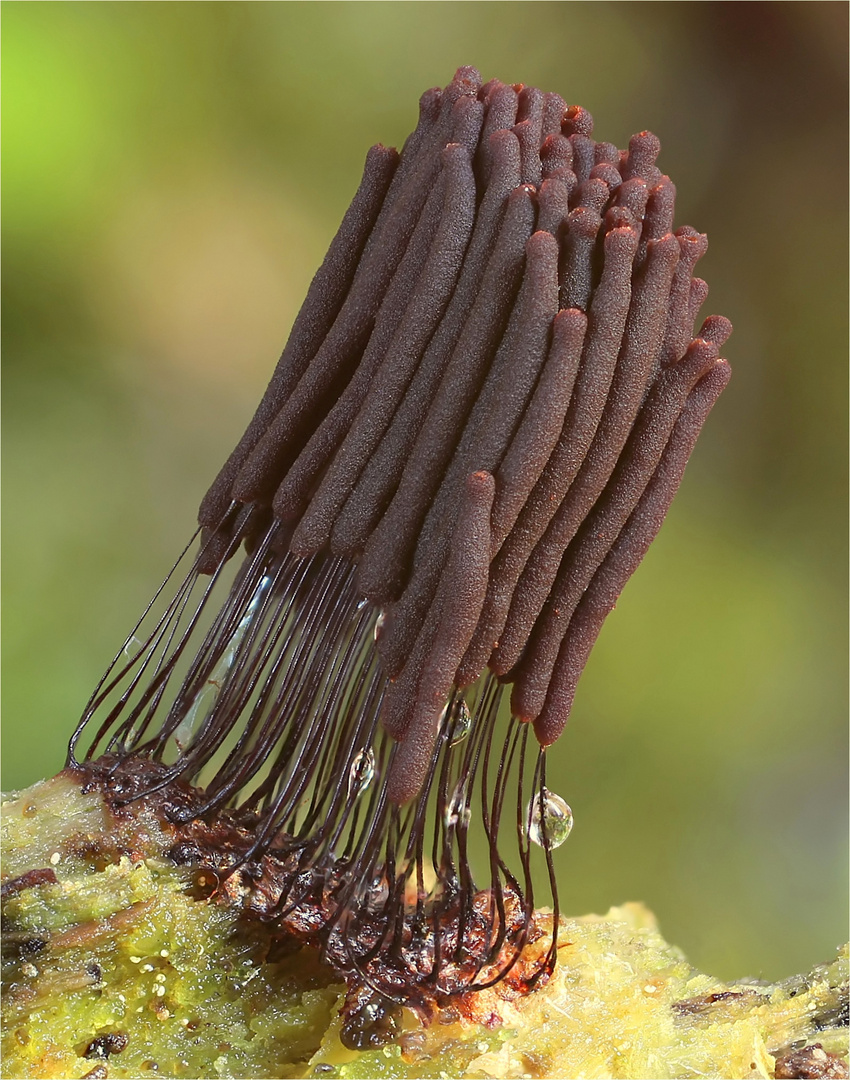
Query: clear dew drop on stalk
pixel 459 719
pixel 456 721
pixel 362 772
pixel 376 893
pixel 132 647
pixel 458 812
pixel 548 814
pixel 207 696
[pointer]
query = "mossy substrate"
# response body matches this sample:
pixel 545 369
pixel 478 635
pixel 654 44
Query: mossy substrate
pixel 113 967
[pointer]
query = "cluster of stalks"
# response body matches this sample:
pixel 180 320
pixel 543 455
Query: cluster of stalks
pixel 482 413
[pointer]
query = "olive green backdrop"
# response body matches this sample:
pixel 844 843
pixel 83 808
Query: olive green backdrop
pixel 173 173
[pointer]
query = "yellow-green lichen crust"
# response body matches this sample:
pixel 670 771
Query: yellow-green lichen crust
pixel 115 959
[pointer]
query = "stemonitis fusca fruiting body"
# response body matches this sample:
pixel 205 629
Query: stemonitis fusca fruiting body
pixel 482 413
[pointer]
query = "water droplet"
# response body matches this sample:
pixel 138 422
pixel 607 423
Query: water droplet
pixel 198 711
pixel 373 1024
pixel 362 604
pixel 458 813
pixel 379 624
pixel 207 696
pixel 362 772
pixel 132 647
pixel 548 812
pixel 458 721
pixel 261 589
pixel 375 895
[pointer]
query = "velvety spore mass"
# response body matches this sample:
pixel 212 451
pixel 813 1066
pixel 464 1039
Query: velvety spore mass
pixel 482 413
pixel 508 253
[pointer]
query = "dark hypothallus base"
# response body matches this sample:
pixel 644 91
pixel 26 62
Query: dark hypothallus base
pixel 300 909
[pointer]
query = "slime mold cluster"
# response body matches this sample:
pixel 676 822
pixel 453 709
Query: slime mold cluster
pixel 481 416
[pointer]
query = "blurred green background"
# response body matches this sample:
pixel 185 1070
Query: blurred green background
pixel 172 176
